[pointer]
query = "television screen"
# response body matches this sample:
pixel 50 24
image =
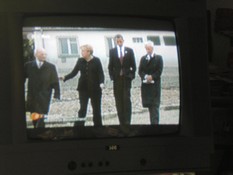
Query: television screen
pixel 117 44
pixel 134 106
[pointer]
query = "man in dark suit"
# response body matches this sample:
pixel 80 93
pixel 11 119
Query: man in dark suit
pixel 150 70
pixel 122 69
pixel 42 79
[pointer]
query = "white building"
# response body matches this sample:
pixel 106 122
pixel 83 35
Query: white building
pixel 62 43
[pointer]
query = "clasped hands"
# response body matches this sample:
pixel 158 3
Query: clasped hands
pixel 148 79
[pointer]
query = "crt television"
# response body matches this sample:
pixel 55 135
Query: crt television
pixel 182 139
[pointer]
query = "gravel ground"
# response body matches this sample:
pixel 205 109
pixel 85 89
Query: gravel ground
pixel 64 112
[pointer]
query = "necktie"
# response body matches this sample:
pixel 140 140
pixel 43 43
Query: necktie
pixel 121 55
pixel 148 58
pixel 121 60
pixel 40 64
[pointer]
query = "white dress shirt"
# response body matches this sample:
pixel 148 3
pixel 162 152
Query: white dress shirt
pixel 39 63
pixel 122 51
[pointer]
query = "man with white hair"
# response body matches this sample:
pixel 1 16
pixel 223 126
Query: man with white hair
pixel 150 70
pixel 42 79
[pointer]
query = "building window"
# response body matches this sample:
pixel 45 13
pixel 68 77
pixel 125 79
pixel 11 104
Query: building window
pixel 154 39
pixel 68 47
pixel 137 40
pixel 109 41
pixel 169 40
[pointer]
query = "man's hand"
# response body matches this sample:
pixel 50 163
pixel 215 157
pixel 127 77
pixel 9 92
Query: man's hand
pixel 55 100
pixel 62 78
pixel 102 86
pixel 149 78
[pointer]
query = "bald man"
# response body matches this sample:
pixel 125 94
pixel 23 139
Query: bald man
pixel 42 79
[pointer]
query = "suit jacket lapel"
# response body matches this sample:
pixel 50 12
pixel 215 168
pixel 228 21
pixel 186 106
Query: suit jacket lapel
pixel 34 64
pixel 124 54
pixel 116 55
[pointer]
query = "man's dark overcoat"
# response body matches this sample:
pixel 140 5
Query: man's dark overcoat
pixel 41 82
pixel 154 67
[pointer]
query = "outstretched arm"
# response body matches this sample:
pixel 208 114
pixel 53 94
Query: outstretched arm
pixel 73 73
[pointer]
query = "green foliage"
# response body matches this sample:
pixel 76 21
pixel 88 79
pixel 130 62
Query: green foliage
pixel 28 50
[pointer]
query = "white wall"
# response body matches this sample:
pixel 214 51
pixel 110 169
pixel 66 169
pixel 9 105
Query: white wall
pixel 97 40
